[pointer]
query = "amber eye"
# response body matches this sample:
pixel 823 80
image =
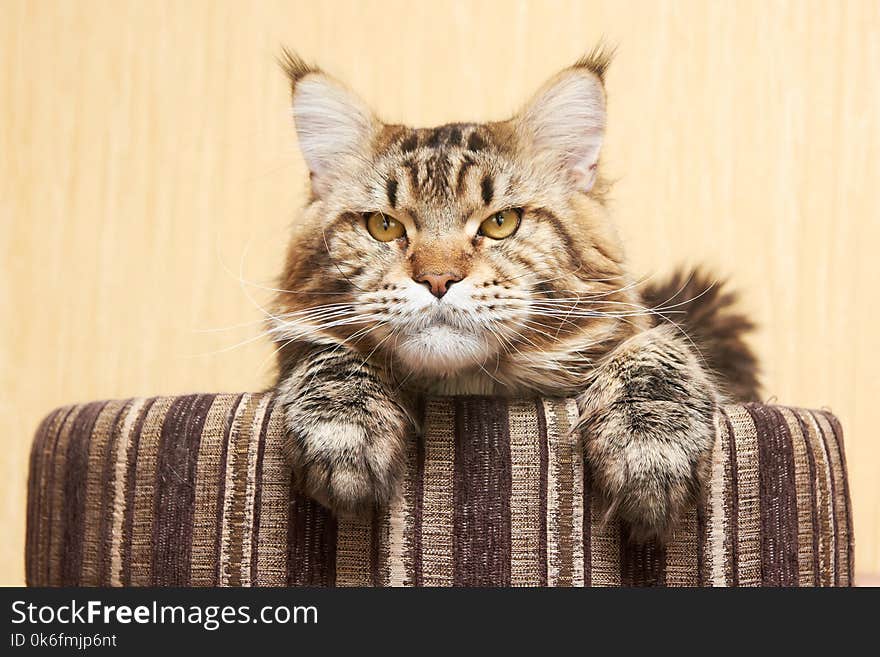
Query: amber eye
pixel 384 228
pixel 501 224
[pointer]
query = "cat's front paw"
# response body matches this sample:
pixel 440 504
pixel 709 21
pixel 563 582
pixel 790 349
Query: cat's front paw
pixel 647 420
pixel 342 466
pixel 650 461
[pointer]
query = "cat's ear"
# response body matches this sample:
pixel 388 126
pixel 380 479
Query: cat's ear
pixel 565 120
pixel 333 125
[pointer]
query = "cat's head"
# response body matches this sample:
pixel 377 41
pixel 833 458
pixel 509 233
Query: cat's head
pixel 450 248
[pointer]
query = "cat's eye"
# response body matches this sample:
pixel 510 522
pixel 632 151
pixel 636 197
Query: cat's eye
pixel 384 228
pixel 501 224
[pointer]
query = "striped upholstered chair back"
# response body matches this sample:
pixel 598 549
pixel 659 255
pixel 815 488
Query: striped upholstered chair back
pixel 193 491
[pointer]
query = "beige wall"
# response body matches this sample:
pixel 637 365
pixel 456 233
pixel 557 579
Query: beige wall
pixel 147 162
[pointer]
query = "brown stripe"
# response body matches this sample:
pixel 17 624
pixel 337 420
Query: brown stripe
pixel 482 485
pixel 376 543
pixel 38 517
pixel 272 552
pixel 53 493
pixel 75 490
pixel 97 507
pixel 732 504
pixel 525 517
pixel 418 506
pixel 139 560
pixel 57 495
pixel 312 544
pixel 701 544
pixel 837 429
pixel 542 491
pixel 33 484
pixel 209 480
pixel 641 564
pixel 39 487
pixel 258 491
pixel 49 548
pixel 778 499
pixel 175 489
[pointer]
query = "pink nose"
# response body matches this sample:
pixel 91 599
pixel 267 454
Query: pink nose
pixel 439 284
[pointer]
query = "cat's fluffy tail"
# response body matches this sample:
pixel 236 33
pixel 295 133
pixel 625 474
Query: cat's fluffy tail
pixel 704 308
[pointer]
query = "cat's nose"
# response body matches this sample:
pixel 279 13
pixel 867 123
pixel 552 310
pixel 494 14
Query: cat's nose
pixel 438 284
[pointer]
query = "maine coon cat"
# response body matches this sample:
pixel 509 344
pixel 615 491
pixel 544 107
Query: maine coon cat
pixel 479 258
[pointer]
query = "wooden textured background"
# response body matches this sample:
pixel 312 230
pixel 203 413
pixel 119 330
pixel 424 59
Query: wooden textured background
pixel 149 176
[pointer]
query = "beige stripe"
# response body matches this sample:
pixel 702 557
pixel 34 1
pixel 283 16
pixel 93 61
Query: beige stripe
pixel 803 485
pixel 93 510
pixel 559 487
pixel 842 537
pixel 203 564
pixel 353 540
pixel 274 507
pixel 250 490
pixel 823 499
pixel 717 520
pixel 383 552
pixel 437 504
pixel 401 522
pixel 749 510
pixel 52 541
pixel 525 493
pixel 120 475
pixel 40 553
pixel 397 552
pixel 144 486
pixel 235 451
pixel 577 497
pixel 681 553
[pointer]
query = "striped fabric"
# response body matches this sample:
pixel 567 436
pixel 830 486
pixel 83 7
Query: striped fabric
pixel 193 491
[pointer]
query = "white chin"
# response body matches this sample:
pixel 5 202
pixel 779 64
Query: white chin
pixel 442 350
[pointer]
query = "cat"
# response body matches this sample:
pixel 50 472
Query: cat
pixel 480 258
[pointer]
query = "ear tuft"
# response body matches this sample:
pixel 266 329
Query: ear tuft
pixel 565 121
pixel 334 126
pixel 597 60
pixel 294 66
